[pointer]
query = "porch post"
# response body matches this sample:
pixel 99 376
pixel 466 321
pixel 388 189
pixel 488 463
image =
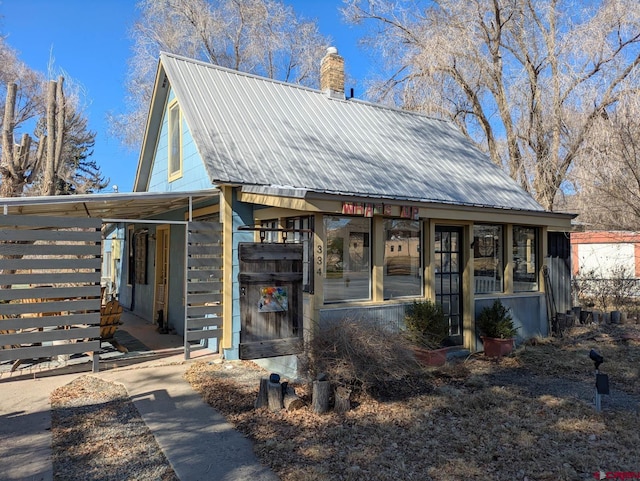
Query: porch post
pixel 226 217
pixel 185 287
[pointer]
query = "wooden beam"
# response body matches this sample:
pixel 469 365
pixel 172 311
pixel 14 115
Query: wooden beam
pixel 226 218
pixel 303 205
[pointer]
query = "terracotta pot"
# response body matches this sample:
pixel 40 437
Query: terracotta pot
pixel 496 347
pixel 431 357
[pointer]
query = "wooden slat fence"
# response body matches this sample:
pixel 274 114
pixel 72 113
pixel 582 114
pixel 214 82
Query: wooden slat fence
pixel 49 287
pixel 204 283
pixel 560 277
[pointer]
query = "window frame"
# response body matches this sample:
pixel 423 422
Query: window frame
pixel 348 275
pixel 271 233
pixel 500 270
pixel 306 239
pixel 395 248
pixel 174 111
pixel 131 264
pixel 534 252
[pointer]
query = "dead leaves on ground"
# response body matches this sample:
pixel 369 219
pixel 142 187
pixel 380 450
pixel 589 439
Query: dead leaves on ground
pixel 474 420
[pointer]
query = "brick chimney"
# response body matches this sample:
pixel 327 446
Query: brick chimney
pixel 332 74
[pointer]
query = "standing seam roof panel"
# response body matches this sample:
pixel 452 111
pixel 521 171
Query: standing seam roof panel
pixel 246 127
pixel 272 139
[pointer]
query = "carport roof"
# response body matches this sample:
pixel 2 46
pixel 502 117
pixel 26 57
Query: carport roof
pixel 120 206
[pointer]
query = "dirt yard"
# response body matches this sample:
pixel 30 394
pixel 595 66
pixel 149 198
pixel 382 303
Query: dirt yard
pixel 528 417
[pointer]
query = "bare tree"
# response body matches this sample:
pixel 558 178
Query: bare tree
pixel 264 37
pixel 29 96
pixel 53 159
pixel 525 79
pixel 606 175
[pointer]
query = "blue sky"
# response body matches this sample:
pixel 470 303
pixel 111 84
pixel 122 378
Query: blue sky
pixel 89 39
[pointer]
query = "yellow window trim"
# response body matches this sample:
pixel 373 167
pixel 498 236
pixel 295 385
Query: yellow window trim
pixel 178 173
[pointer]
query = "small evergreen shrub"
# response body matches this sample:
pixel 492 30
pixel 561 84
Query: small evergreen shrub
pixel 496 321
pixel 426 324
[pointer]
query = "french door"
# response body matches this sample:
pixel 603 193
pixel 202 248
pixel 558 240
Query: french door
pixel 448 277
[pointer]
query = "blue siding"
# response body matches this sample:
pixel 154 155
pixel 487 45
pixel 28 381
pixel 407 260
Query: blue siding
pixel 175 314
pixel 529 315
pixel 194 176
pixel 242 215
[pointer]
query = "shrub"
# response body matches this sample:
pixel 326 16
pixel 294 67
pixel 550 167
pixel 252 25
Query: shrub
pixel 426 323
pixel 496 321
pixel 360 354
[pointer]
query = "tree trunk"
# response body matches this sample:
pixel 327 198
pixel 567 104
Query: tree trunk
pixel 342 399
pixel 320 397
pixel 263 399
pixel 291 400
pixel 48 186
pixel 7 188
pixel 59 134
pixel 274 395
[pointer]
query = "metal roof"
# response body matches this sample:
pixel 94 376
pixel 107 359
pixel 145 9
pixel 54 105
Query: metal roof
pixel 121 206
pixel 252 130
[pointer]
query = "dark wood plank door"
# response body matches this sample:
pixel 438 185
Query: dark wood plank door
pixel 270 280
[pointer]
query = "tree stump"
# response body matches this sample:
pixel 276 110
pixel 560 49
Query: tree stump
pixel 274 395
pixel 342 399
pixel 320 396
pixel 263 399
pixel 291 400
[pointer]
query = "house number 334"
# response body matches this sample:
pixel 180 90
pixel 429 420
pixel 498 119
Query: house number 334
pixel 319 260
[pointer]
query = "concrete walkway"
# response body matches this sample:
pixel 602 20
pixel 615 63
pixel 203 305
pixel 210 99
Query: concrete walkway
pixel 195 438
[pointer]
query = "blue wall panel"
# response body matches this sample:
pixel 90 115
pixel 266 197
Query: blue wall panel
pixel 529 315
pixel 242 215
pixel 176 278
pixel 194 175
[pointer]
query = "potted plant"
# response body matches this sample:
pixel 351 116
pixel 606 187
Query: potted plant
pixel 496 329
pixel 427 327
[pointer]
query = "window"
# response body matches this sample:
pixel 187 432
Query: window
pixel 488 255
pixel 137 256
pixel 402 267
pixel 131 259
pixel 347 273
pixel 525 261
pixel 271 234
pixel 305 224
pixel 175 142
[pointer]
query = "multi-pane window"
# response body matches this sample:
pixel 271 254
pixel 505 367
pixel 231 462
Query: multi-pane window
pixel 131 259
pixel 488 255
pixel 525 259
pixel 270 234
pixel 447 256
pixel 402 266
pixel 140 254
pixel 301 229
pixel 175 142
pixel 347 273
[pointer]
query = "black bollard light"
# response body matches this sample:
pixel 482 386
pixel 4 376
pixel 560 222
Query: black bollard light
pixel 602 380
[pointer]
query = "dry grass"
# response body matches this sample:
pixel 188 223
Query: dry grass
pixel 528 417
pixel 98 435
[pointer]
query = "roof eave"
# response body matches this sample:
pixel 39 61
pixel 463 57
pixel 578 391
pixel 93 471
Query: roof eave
pixel 152 128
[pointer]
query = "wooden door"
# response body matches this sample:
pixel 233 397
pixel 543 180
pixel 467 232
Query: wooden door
pixel 270 299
